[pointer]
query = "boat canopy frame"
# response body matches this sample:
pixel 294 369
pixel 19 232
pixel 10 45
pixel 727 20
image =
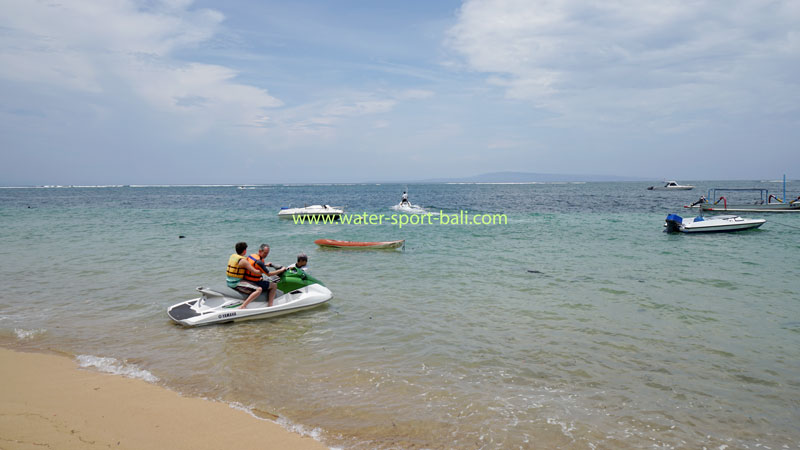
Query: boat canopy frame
pixel 764 193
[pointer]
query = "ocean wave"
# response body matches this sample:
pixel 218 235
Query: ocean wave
pixel 116 367
pixel 314 433
pixel 23 334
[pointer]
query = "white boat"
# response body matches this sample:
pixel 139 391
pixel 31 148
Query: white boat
pixel 700 224
pixel 312 211
pixel 302 291
pixel 671 186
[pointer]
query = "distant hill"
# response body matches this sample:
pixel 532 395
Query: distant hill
pixel 527 177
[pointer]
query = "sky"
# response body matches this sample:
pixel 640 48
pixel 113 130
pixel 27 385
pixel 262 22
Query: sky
pixel 257 92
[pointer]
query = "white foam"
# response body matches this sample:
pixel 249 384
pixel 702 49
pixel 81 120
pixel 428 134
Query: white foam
pixel 116 367
pixel 314 433
pixel 412 209
pixel 27 334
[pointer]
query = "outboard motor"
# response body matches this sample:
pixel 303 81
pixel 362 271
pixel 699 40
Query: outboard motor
pixel 674 222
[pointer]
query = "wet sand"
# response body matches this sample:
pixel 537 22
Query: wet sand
pixel 47 401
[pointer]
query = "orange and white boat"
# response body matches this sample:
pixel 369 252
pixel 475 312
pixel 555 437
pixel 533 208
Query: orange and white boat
pixel 351 244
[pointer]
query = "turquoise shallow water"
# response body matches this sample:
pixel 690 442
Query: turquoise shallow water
pixel 578 324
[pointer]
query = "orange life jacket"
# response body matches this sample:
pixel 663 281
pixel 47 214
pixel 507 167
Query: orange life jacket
pixel 254 260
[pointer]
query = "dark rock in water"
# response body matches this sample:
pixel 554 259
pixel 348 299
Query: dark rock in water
pixel 181 237
pixel 533 271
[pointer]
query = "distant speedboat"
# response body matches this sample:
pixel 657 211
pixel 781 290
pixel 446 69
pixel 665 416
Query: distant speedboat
pixel 311 211
pixel 700 224
pixel 671 186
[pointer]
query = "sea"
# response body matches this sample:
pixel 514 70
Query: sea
pixel 575 323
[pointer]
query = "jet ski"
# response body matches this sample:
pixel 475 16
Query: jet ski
pixel 296 291
pixel 409 208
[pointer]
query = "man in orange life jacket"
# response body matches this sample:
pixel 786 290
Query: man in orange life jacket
pixel 238 266
pixel 257 261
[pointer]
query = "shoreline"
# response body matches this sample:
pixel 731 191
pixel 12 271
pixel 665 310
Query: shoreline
pixel 48 400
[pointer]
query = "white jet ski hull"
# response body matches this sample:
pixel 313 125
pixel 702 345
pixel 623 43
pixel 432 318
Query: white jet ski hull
pixel 222 306
pixel 408 208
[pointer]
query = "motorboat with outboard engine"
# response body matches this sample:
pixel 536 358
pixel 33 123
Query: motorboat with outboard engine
pixel 700 224
pixel 297 291
pixel 671 186
pixel 311 211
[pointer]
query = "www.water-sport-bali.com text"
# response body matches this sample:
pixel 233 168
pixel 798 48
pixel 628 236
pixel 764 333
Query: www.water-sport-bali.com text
pixel 400 220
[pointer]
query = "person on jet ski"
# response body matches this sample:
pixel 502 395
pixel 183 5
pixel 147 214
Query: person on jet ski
pixel 404 201
pixel 238 266
pixel 257 260
pixel 302 261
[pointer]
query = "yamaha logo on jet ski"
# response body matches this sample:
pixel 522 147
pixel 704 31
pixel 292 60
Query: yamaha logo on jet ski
pixel 222 316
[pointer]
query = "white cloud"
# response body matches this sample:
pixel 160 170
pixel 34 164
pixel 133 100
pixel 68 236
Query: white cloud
pixel 120 47
pixel 626 58
pixel 415 94
pixel 321 119
pixel 359 108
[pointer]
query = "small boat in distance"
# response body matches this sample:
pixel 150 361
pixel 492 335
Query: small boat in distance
pixel 333 243
pixel 700 224
pixel 671 186
pixel 764 202
pixel 729 200
pixel 311 211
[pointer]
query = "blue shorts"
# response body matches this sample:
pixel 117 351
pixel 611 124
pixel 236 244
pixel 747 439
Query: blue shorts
pixel 263 283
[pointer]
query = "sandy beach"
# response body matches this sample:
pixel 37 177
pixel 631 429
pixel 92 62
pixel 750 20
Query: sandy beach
pixel 49 402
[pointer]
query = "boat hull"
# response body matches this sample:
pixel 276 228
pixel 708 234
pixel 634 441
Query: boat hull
pixel 774 207
pixel 721 228
pixel 311 211
pixel 671 186
pixel 712 225
pixel 214 307
pixel 717 201
pixel 333 243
